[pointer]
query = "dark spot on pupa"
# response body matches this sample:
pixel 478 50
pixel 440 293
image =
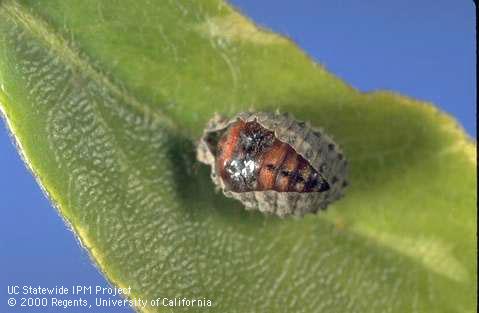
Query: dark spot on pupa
pixel 270 167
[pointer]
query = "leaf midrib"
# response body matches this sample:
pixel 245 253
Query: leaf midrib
pixel 74 58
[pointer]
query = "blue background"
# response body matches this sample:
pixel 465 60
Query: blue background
pixel 424 49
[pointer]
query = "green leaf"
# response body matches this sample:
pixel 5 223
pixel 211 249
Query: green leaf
pixel 106 100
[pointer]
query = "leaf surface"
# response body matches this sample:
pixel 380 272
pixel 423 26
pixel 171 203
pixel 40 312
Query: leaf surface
pixel 106 100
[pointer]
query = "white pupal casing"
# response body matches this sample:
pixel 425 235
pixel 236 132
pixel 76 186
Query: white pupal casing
pixel 322 153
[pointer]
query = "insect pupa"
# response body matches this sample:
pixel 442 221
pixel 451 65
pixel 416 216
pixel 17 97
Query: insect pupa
pixel 273 163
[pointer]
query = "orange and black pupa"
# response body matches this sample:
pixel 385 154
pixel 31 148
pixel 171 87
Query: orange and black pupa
pixel 273 163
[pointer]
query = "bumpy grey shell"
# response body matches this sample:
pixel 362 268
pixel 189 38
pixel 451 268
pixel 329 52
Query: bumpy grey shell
pixel 311 143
